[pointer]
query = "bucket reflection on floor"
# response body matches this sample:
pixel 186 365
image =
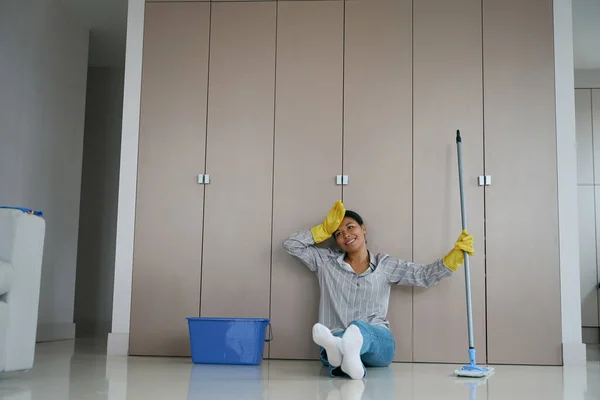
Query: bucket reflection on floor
pixel 227 382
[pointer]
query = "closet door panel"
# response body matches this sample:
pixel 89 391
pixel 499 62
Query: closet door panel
pixel 308 156
pixel 237 1
pixel 238 203
pixel 585 146
pixel 176 1
pixel 523 282
pixel 596 133
pixel 378 138
pixel 447 97
pixel 168 225
pixel 587 256
pixel 597 248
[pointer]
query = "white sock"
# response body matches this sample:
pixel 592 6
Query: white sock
pixel 332 345
pixel 351 344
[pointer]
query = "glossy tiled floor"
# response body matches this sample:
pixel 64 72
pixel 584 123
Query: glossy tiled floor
pixel 68 370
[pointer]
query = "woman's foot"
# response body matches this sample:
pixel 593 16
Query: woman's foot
pixel 351 344
pixel 332 345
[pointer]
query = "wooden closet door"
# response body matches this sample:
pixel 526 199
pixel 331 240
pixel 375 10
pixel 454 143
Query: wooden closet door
pixel 235 1
pixel 175 1
pixel 597 248
pixel 308 156
pixel 239 160
pixel 585 142
pixel 596 140
pixel 596 133
pixel 168 222
pixel 523 281
pixel 378 138
pixel 586 209
pixel 447 97
pixel 588 256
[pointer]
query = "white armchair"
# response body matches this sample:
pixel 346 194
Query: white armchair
pixel 21 251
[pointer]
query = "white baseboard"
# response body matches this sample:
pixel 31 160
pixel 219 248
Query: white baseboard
pixel 574 354
pixel 55 332
pixel 118 344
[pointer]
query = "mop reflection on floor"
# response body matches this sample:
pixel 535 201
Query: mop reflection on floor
pixel 472 384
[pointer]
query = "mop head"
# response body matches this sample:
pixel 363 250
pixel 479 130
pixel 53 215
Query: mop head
pixel 474 371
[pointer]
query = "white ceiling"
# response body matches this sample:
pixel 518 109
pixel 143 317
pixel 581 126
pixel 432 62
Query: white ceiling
pixel 107 19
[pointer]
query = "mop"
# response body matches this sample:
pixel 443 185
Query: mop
pixel 472 370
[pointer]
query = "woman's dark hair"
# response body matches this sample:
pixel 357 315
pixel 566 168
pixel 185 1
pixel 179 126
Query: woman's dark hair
pixel 354 216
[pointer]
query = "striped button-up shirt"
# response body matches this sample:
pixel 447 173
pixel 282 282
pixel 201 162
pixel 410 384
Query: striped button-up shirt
pixel 346 296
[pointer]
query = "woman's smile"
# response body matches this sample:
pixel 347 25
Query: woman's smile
pixel 349 242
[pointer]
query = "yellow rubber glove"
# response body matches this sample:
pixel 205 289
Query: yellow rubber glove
pixel 455 258
pixel 333 220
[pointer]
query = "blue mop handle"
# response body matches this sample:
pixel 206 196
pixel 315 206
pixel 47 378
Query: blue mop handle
pixel 467 267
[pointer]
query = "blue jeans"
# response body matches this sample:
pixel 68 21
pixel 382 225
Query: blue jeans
pixel 377 350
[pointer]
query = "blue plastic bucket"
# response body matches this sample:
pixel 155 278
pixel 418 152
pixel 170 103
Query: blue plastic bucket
pixel 234 341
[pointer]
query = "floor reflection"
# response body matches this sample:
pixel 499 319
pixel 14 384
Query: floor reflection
pixel 69 370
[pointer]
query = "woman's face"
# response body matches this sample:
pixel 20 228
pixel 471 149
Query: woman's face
pixel 350 236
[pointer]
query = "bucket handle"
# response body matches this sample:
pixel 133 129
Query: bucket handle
pixel 270 333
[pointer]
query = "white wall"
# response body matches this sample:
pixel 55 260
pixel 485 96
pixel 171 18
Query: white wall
pixel 118 339
pixel 574 351
pixel 573 348
pixel 587 78
pixel 43 67
pixel 98 210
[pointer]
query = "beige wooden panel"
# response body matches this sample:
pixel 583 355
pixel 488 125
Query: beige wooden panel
pixel 596 133
pixel 168 228
pixel 308 155
pixel 239 160
pixel 176 1
pixel 447 97
pixel 378 138
pixel 585 147
pixel 523 282
pixel 588 256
